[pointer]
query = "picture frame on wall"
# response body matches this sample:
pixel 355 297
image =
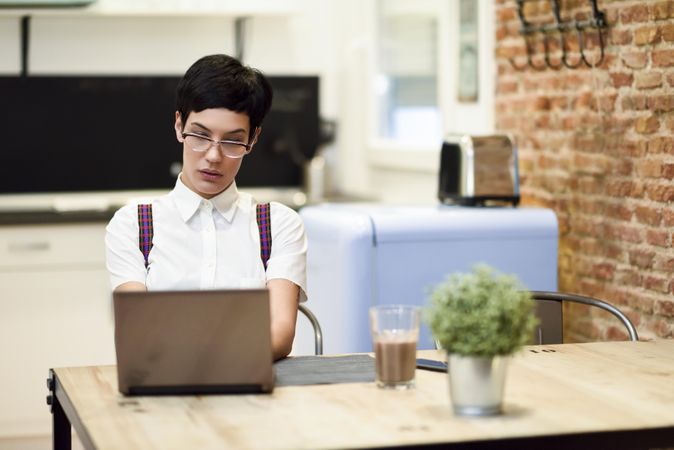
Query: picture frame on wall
pixel 468 68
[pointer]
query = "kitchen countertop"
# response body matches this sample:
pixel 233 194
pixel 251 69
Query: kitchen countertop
pixel 74 207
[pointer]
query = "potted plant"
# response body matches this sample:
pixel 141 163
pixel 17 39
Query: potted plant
pixel 479 318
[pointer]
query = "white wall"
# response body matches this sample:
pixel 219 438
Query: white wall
pixel 331 38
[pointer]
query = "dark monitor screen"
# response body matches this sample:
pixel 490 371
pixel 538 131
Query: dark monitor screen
pixel 91 133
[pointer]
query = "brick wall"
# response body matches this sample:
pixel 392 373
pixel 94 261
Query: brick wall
pixel 597 146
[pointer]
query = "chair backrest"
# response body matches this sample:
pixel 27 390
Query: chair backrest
pixel 549 311
pixel 318 333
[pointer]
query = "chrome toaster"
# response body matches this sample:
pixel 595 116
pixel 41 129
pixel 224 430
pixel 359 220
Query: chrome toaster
pixel 478 170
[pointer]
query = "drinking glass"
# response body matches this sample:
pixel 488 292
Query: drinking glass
pixel 395 331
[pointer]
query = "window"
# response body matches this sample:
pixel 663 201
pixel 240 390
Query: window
pixel 434 74
pixel 406 83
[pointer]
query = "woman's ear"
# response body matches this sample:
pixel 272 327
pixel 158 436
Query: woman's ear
pixel 179 127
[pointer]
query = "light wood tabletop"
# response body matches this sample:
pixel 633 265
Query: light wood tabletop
pixel 557 396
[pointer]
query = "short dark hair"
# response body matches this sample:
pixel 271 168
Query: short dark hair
pixel 220 81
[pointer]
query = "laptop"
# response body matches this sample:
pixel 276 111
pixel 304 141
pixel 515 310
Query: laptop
pixel 193 342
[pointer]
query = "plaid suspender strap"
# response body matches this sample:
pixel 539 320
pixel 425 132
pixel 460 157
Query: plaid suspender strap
pixel 145 230
pixel 264 227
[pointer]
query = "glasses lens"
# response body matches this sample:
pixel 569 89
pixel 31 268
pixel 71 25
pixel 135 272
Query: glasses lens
pixel 234 149
pixel 198 144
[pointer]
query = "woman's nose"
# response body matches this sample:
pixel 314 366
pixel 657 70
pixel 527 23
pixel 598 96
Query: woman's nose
pixel 213 154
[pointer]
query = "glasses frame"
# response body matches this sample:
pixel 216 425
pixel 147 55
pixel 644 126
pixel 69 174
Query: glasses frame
pixel 248 147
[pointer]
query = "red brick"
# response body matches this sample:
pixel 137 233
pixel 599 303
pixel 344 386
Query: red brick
pixel 638 189
pixel 584 100
pixel 661 327
pixel 619 211
pixel 669 122
pixel 667 32
pixel 606 102
pixel 668 216
pixel 623 233
pixel 636 13
pixel 603 271
pixel 664 263
pixel 663 58
pixel 649 168
pixel 588 185
pixel 642 303
pixel 589 245
pixel 507 87
pixel 533 9
pixel 662 10
pixel 661 145
pixel 583 227
pixel 621 167
pixel 661 103
pixel 642 258
pixel 647 125
pixel 659 238
pixel 637 102
pixel 541 122
pixel 668 171
pixel 506 14
pixel 660 193
pixel 619 188
pixel 621 79
pixel 648 80
pixel 670 79
pixel 569 122
pixel 658 284
pixel 510 51
pixel 628 277
pixel 615 124
pixel 665 308
pixel 585 330
pixel 620 36
pixel 635 60
pixel 646 35
pixel 590 164
pixel 614 333
pixel 648 215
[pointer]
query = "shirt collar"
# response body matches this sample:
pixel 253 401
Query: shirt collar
pixel 188 201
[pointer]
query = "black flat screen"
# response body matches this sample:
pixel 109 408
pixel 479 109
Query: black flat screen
pixel 89 133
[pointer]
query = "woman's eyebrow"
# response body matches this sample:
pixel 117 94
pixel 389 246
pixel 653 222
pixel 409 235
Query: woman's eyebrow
pixel 237 131
pixel 203 127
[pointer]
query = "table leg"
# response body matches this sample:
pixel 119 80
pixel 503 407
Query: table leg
pixel 61 429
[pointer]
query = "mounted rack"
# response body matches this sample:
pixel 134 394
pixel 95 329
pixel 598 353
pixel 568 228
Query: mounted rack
pixel 528 31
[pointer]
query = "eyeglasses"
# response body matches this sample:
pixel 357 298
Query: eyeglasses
pixel 230 149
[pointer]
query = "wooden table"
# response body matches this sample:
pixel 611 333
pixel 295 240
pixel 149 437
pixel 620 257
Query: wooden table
pixel 599 395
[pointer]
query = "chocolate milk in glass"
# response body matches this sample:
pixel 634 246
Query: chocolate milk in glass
pixel 395 359
pixel 395 330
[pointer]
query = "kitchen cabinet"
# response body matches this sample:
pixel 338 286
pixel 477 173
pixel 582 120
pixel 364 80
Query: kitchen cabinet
pixel 55 310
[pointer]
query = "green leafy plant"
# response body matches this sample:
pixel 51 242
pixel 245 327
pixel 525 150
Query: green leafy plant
pixel 482 313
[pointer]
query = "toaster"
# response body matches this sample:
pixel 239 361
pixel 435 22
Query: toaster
pixel 479 170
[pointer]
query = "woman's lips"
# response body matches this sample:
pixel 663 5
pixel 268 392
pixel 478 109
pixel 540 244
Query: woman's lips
pixel 210 175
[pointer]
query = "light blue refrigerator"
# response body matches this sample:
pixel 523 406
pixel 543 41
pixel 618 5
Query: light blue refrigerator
pixel 368 254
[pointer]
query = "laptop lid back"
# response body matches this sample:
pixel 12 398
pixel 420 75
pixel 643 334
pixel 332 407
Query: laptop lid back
pixel 193 342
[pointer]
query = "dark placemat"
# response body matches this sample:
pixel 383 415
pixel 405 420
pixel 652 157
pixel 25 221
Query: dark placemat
pixel 304 370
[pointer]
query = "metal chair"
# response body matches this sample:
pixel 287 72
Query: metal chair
pixel 549 311
pixel 318 333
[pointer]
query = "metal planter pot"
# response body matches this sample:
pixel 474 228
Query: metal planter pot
pixel 476 384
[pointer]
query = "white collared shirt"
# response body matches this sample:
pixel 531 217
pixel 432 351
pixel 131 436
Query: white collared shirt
pixel 206 244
